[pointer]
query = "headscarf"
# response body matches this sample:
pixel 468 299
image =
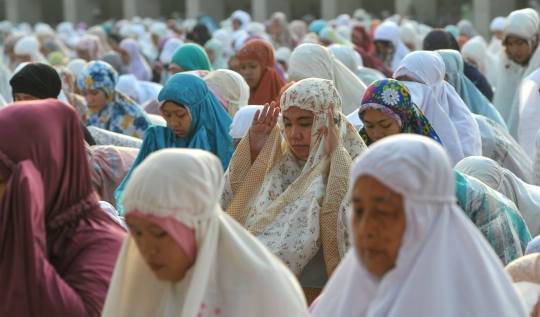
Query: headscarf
pixel 76 66
pixel 224 37
pixel 217 47
pixel 313 60
pixel 329 34
pixel 209 128
pixel 120 114
pixel 29 45
pixel 523 24
pixel 230 88
pixel 418 169
pixel 68 84
pixel 409 35
pixel 99 31
pixel 191 57
pixel 298 28
pixel 179 190
pixel 242 121
pixel 466 28
pixel 38 80
pixel 168 50
pixel 428 68
pixel 270 82
pixel 392 98
pixel 241 16
pixel 137 64
pixel 452 29
pixel 278 184
pixel 495 45
pixel 115 60
pixel 365 41
pixel 526 197
pixel 90 43
pixel 529 99
pixel 283 54
pixel 138 90
pixel 389 31
pixel 104 137
pixel 285 39
pixel 353 61
pixel 476 52
pixel 109 165
pixel 316 26
pixel 473 98
pixel 58 247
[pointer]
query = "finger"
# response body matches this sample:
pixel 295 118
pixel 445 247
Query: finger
pixel 256 117
pixel 325 131
pixel 263 113
pixel 275 117
pixel 270 115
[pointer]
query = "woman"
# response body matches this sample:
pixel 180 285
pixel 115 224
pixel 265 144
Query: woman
pixel 428 68
pixel 189 57
pixel 195 119
pixel 229 88
pixel 520 59
pixel 134 61
pixel 388 45
pixel 387 109
pixel 526 197
pixel 177 239
pixel 68 87
pixel 364 47
pixel 525 273
pixel 279 31
pixel 291 195
pixel 88 48
pixel 475 51
pixel 165 57
pixel 27 50
pixel 397 237
pixel 214 50
pixel 62 246
pixel 256 65
pixel 108 108
pixel 103 39
pixel 353 61
pixel 473 98
pixel 313 60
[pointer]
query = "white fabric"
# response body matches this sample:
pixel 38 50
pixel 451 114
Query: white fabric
pixel 526 197
pixel 29 46
pixel 409 35
pixel 423 97
pixel 354 119
pixel 444 267
pixel 495 45
pixel 475 51
pixel 498 145
pixel 233 274
pixel 428 68
pixel 243 17
pixel 389 31
pixel 283 54
pixel 524 24
pixel 231 86
pixel 313 60
pixel 5 87
pixel 353 61
pixel 242 121
pixel 156 120
pixel 75 67
pixel 225 37
pixel 238 38
pixel 497 24
pixel 168 50
pixel 529 112
pixel 138 90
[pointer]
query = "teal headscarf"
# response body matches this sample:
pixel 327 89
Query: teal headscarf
pixel 316 26
pixel 452 29
pixel 473 98
pixel 217 47
pixel 191 57
pixel 209 128
pixel 497 218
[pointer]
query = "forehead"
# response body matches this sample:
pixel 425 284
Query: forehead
pixel 294 112
pixel 171 106
pixel 374 115
pixel 139 221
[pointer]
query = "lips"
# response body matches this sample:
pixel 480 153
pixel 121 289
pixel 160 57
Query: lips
pixel 178 132
pixel 155 267
pixel 371 253
pixel 299 147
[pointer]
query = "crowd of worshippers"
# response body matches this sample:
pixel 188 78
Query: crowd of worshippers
pixel 352 167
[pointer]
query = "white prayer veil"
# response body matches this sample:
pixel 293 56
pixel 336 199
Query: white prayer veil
pixel 444 266
pixel 29 46
pixel 389 31
pixel 230 86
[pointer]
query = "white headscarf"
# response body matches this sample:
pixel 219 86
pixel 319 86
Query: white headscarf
pixel 243 120
pixel 529 112
pixel 283 54
pixel 139 91
pixel 233 273
pixel 353 61
pixel 523 24
pixel 500 146
pixel 29 45
pixel 231 88
pixel 389 31
pixel 243 17
pixel 475 51
pixel 428 68
pixel 316 61
pixel 444 266
pixel 75 67
pixel 525 196
pixel 168 50
pixel 408 34
pixel 225 37
pixel 495 45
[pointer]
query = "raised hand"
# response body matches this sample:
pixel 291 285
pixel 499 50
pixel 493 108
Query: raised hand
pixel 263 123
pixel 332 138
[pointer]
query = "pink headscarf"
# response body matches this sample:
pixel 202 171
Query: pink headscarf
pixel 137 64
pixel 61 247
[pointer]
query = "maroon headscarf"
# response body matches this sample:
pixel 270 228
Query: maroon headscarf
pixel 58 247
pixel 362 38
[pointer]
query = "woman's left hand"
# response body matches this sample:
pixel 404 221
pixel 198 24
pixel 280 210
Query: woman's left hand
pixel 331 132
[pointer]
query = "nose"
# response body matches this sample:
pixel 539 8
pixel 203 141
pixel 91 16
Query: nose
pixel 147 248
pixel 369 226
pixel 295 133
pixel 377 134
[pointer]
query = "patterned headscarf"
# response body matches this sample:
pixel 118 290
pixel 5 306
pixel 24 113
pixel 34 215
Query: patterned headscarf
pixel 392 98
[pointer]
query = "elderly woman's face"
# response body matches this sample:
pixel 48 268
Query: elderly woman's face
pixel 378 224
pixel 298 124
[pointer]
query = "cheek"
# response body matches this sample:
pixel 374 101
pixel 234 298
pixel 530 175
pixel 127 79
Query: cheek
pixel 175 260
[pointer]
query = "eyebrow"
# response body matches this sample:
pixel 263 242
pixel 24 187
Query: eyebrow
pixel 380 121
pixel 298 119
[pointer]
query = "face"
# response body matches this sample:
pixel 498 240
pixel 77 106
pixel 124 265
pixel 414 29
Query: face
pixel 379 125
pixel 518 49
pixel 499 35
pixel 83 54
pixel 251 70
pixel 233 64
pixel 298 123
pixel 159 250
pixel 378 224
pixel 95 98
pixel 3 184
pixel 24 58
pixel 356 38
pixel 177 118
pixel 125 56
pixel 173 69
pixel 236 24
pixel 155 39
pixel 24 97
pixel 211 54
pixel 382 47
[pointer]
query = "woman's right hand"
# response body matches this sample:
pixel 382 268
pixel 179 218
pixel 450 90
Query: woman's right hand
pixel 261 127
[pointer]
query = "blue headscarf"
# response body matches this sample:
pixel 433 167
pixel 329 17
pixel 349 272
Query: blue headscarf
pixel 120 114
pixel 209 128
pixel 473 98
pixel 316 26
pixel 191 57
pixel 494 215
